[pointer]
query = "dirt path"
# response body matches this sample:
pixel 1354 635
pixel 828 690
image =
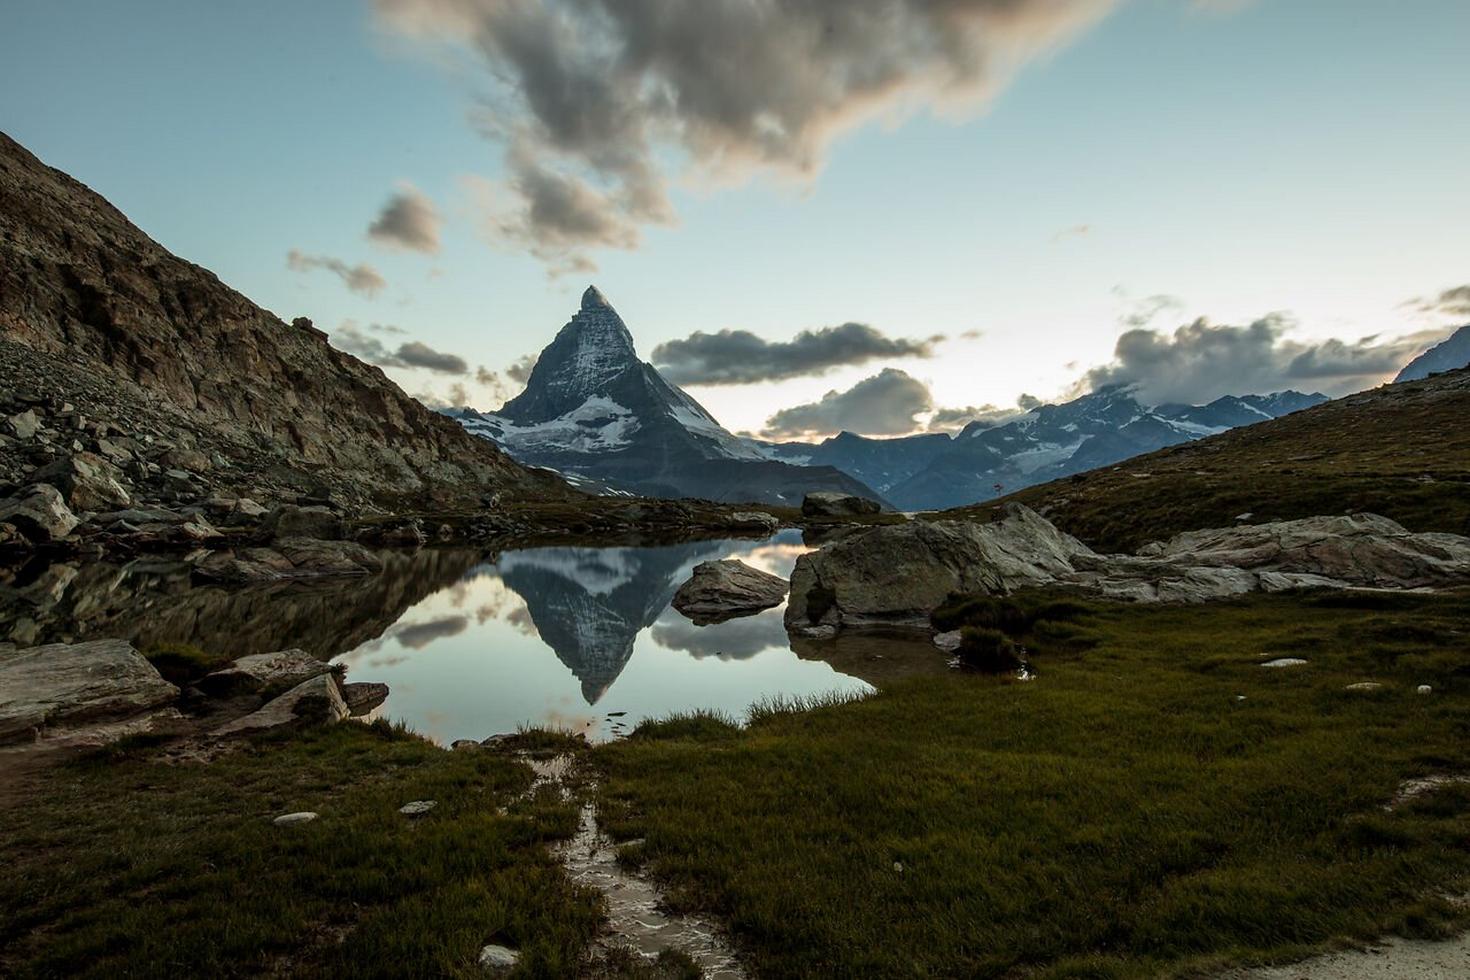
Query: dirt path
pixel 1395 959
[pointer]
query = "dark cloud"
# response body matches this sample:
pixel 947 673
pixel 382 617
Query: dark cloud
pixel 410 354
pixel 954 419
pixel 740 357
pixel 1452 302
pixel 885 404
pixel 409 220
pixel 419 635
pixel 1201 361
pixel 359 278
pixel 597 100
pixel 520 371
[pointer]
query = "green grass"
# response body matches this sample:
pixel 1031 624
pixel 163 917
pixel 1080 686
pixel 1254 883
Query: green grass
pixel 1123 815
pixel 183 663
pixel 125 865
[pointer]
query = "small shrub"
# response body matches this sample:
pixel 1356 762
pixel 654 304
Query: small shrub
pixel 704 724
pixel 988 650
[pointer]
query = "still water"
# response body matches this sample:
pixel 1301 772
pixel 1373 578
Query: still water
pixel 473 645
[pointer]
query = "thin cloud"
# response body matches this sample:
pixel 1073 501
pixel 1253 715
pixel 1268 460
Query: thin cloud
pixel 360 278
pixel 600 103
pixel 410 354
pixel 1453 302
pixel 732 357
pixel 409 221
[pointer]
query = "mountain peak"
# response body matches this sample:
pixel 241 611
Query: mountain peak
pixel 593 299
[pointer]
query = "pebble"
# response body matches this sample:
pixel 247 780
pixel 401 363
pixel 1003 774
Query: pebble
pixel 286 819
pixel 1364 686
pixel 1285 662
pixel 417 808
pixel 1425 689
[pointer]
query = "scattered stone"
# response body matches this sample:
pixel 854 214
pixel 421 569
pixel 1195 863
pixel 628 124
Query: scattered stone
pixel 317 701
pixel 417 808
pixel 498 958
pixel 72 682
pixel 754 519
pixel 364 697
pixel 260 672
pixel 289 559
pixel 87 482
pixel 1285 662
pixel 40 513
pixel 830 503
pixel 24 425
pixel 1424 689
pixel 287 819
pixel 721 590
pixel 1364 686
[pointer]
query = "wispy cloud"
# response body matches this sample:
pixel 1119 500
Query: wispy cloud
pixel 360 278
pixel 740 357
pixel 349 339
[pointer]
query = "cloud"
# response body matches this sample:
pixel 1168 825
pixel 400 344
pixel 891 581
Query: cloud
pixel 885 404
pixel 1076 231
pixel 740 357
pixel 409 221
pixel 416 636
pixel 1453 302
pixel 520 371
pixel 600 103
pixel 1200 361
pixel 954 419
pixel 410 354
pixel 360 278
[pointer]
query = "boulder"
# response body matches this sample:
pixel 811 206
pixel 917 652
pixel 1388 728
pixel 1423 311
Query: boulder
pixel 830 503
pixel 67 683
pixel 754 520
pixel 721 590
pixel 261 672
pixel 87 482
pixel 292 521
pixel 289 559
pixel 24 425
pixel 897 574
pixel 314 702
pixel 40 513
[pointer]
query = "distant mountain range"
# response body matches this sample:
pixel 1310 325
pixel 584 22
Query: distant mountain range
pixel 985 460
pixel 606 420
pixel 1447 356
pixel 609 422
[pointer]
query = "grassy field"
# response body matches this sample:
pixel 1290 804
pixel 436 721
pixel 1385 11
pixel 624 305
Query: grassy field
pixel 1154 802
pixel 1402 451
pixel 125 865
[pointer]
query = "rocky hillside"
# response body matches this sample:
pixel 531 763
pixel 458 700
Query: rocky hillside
pixel 1453 353
pixel 100 326
pixel 1401 450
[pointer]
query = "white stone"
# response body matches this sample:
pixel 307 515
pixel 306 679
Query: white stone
pixel 1285 662
pixel 1424 689
pixel 286 819
pixel 1364 686
pixel 417 808
pixel 495 957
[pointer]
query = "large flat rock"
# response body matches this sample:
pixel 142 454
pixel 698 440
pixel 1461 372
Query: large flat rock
pixel 721 590
pixel 68 683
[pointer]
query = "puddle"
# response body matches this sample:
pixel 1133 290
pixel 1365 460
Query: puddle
pixel 637 916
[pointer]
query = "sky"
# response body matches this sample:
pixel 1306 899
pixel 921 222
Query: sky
pixel 883 215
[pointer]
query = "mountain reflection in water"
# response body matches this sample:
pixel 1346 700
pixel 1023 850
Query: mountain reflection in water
pixel 470 646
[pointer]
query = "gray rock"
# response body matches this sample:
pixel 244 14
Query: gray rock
pixel 87 481
pixel 498 958
pixel 948 642
pixel 417 808
pixel 899 573
pixel 264 672
pixel 291 521
pixel 314 702
pixel 40 512
pixel 465 745
pixel 1364 686
pixel 754 519
pixel 363 698
pixel 67 683
pixel 25 425
pixel 830 503
pixel 721 590
pixel 287 819
pixel 1285 662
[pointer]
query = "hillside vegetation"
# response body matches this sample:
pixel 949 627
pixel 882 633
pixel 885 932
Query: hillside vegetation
pixel 1401 450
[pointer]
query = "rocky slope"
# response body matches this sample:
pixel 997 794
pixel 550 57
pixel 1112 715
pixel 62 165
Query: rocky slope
pixel 592 409
pixel 1453 353
pixel 1400 450
pixel 105 335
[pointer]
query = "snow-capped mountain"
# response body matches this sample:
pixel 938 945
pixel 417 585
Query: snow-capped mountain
pixel 986 460
pixel 1447 356
pixel 591 409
